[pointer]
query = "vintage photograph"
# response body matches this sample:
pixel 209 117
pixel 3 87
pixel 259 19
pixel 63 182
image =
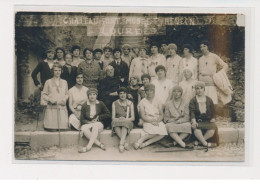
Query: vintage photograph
pixel 135 87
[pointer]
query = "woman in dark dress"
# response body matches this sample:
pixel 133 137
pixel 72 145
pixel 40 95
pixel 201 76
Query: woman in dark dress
pixel 202 113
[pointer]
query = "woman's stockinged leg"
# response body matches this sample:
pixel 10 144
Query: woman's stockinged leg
pixel 183 135
pixel 209 134
pixel 152 140
pixel 200 136
pixel 88 134
pixel 177 138
pixel 123 135
pixel 146 137
pixel 118 131
pixel 93 136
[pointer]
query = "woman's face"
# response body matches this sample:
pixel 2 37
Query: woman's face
pixel 57 72
pixel 68 58
pixel 126 51
pixel 150 93
pixel 161 73
pixel 200 91
pixel 164 47
pixel 76 53
pixel 79 79
pixel 110 72
pixel 176 94
pixel 186 51
pixel 136 50
pixel 142 53
pixel 60 54
pixel 92 97
pixel 133 81
pixel 89 55
pixel 204 48
pixel 154 49
pixel 50 55
pixel 172 52
pixel 146 81
pixel 187 74
pixel 122 95
pixel 107 53
pixel 98 55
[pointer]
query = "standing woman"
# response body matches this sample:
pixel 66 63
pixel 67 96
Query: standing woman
pixel 177 118
pixel 91 71
pixel 151 113
pixel 202 113
pixel 93 114
pixel 76 60
pixel 77 97
pixel 55 95
pixel 122 118
pixel 188 62
pixel 60 55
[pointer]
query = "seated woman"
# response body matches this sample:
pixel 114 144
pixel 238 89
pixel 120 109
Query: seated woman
pixel 146 78
pixel 122 118
pixel 177 118
pixel 93 113
pixel 55 95
pixel 77 97
pixel 151 113
pixel 202 113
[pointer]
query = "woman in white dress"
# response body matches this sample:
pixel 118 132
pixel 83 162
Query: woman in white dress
pixel 188 62
pixel 151 113
pixel 77 97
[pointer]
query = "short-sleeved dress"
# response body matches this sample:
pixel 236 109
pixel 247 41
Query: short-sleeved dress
pixel 123 111
pixel 162 89
pixel 152 111
pixel 188 88
pixel 191 64
pixel 180 113
pixel 79 97
pixel 55 116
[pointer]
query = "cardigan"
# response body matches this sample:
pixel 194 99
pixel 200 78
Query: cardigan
pixel 195 111
pixel 69 77
pixel 45 73
pixel 101 111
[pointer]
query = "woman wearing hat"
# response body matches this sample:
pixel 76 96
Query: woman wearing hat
pixel 93 114
pixel 139 65
pixel 55 95
pixel 151 113
pixel 77 97
pixel 173 64
pixel 126 57
pixel 202 113
pixel 122 118
pixel 177 118
pixel 188 62
pixel 44 68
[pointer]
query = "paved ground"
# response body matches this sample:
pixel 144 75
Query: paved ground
pixel 225 153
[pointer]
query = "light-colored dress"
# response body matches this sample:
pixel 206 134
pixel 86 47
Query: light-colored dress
pixel 55 116
pixel 188 90
pixel 79 97
pixel 172 67
pixel 151 110
pixel 192 64
pixel 153 62
pixel 162 90
pixel 180 113
pixel 139 66
pixel 209 64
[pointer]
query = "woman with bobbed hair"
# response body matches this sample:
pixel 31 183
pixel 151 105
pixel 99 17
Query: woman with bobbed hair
pixel 123 116
pixel 93 114
pixel 202 113
pixel 55 95
pixel 151 113
pixel 177 118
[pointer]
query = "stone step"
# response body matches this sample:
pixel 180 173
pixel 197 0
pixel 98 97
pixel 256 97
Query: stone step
pixel 38 139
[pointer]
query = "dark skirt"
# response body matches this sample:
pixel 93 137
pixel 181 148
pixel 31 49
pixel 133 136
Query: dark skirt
pixel 204 126
pixel 127 124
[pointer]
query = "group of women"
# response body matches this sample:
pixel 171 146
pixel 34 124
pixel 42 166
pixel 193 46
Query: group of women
pixel 163 95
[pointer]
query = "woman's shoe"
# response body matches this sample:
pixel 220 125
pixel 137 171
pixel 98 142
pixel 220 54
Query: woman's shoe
pixel 83 150
pixel 126 146
pixel 102 146
pixel 189 146
pixel 121 148
pixel 136 145
pixel 212 145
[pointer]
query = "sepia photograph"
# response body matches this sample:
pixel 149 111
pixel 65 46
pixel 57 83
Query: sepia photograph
pixel 129 87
